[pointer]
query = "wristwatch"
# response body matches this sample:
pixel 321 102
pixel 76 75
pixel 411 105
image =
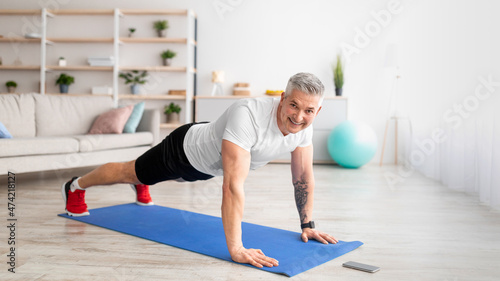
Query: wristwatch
pixel 309 225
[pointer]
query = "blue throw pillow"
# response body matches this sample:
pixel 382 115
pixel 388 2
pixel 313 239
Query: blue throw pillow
pixel 4 133
pixel 134 119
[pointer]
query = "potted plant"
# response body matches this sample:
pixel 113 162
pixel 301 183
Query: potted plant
pixel 161 27
pixel 11 86
pixel 64 81
pixel 338 76
pixel 131 31
pixel 167 57
pixel 172 111
pixel 136 78
pixel 62 61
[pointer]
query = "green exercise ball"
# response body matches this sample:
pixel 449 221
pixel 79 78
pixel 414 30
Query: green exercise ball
pixel 352 144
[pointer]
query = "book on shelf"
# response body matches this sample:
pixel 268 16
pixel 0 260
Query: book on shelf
pixel 101 60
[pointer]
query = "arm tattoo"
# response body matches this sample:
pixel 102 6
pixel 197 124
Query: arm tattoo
pixel 301 198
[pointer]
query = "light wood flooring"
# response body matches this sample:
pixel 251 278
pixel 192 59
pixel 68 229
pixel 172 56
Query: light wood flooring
pixel 416 230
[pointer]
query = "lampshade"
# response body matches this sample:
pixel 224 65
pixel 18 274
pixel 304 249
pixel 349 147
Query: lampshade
pixel 218 76
pixel 391 56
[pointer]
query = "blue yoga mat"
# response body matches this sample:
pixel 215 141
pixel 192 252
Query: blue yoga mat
pixel 205 235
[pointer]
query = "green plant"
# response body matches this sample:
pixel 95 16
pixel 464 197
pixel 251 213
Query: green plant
pixel 161 25
pixel 61 58
pixel 172 108
pixel 134 77
pixel 338 73
pixel 11 84
pixel 168 54
pixel 65 79
pixel 131 30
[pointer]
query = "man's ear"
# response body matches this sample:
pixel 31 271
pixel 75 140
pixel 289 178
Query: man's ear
pixel 319 109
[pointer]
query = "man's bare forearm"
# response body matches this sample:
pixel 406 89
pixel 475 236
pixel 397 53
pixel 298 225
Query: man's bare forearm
pixel 232 214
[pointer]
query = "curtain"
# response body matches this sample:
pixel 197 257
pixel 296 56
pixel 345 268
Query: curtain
pixel 468 158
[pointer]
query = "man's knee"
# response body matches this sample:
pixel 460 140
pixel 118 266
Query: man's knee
pixel 128 172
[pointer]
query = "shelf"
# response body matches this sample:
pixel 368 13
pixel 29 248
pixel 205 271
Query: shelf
pixel 155 68
pixel 103 40
pixel 81 67
pixel 230 97
pixel 83 12
pixel 153 40
pixel 20 39
pixel 20 12
pixel 151 97
pixel 97 12
pixel 80 40
pixel 170 125
pixel 20 67
pixel 176 12
pixel 335 98
pixel 79 95
pixel 261 96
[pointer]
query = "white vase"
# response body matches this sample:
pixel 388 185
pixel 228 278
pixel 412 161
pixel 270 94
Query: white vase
pixel 167 62
pixel 162 33
pixel 173 118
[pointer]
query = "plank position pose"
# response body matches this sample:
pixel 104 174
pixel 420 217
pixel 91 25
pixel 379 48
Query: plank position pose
pixel 248 135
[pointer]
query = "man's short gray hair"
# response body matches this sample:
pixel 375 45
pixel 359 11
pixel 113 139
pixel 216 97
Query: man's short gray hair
pixel 307 83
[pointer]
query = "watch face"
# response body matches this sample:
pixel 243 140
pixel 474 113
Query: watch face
pixel 311 224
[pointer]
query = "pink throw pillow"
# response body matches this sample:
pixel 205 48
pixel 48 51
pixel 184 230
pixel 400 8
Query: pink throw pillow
pixel 112 122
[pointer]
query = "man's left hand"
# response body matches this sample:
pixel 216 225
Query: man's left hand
pixel 308 233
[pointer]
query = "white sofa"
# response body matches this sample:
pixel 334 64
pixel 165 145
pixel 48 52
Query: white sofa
pixel 50 133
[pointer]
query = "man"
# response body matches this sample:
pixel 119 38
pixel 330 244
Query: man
pixel 248 135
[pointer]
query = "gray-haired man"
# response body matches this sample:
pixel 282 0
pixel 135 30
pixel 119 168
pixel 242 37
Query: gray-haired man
pixel 248 135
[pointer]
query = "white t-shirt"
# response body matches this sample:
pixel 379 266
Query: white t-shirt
pixel 249 123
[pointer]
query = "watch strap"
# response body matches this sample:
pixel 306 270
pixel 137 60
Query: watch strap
pixel 307 225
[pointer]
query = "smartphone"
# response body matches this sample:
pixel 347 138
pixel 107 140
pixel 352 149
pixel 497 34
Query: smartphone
pixel 361 266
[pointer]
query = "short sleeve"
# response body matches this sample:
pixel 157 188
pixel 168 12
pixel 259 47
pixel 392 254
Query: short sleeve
pixel 241 128
pixel 307 137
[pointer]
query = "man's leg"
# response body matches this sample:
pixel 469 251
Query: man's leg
pixel 73 191
pixel 110 173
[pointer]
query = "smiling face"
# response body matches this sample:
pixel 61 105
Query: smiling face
pixel 297 111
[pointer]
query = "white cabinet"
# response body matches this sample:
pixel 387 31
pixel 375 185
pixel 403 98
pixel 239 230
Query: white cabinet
pixel 333 112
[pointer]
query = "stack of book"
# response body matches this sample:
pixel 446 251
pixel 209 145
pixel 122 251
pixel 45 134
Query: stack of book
pixel 101 61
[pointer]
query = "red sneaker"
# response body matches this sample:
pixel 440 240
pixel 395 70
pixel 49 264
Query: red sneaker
pixel 142 192
pixel 75 201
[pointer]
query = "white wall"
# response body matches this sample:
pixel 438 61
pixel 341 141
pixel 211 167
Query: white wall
pixel 443 45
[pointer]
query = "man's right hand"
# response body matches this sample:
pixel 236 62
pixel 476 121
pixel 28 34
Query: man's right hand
pixel 254 257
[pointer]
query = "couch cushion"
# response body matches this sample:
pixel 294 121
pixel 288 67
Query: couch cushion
pixel 4 133
pixel 63 115
pixel 90 143
pixel 112 122
pixel 17 113
pixel 37 146
pixel 134 119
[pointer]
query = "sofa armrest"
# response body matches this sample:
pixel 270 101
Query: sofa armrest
pixel 150 122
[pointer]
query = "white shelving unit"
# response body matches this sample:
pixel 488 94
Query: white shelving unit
pixel 188 43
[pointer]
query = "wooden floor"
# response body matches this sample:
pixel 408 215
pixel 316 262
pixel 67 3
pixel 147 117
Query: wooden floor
pixel 417 230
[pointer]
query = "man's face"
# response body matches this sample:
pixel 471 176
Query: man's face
pixel 297 111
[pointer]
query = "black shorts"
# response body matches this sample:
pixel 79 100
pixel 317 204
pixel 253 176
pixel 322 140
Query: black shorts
pixel 168 161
